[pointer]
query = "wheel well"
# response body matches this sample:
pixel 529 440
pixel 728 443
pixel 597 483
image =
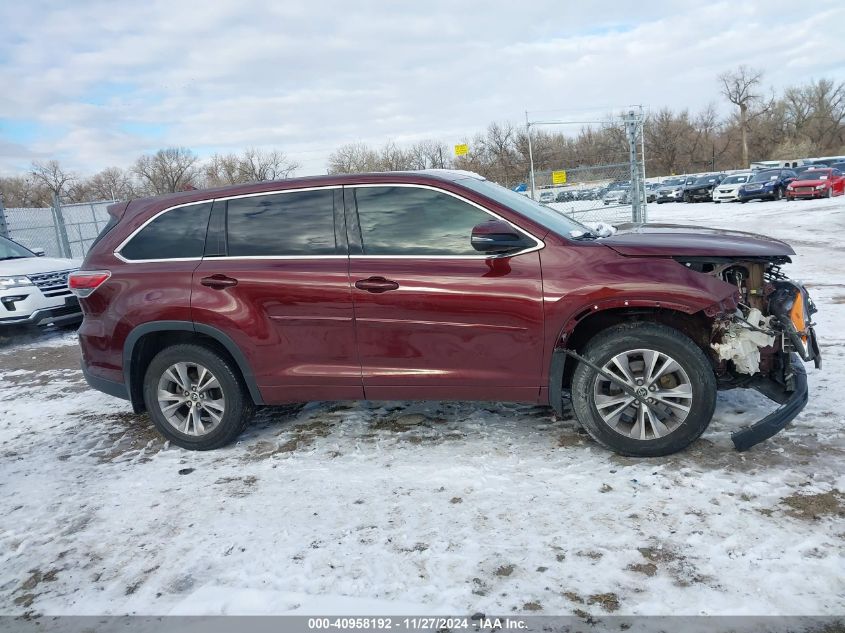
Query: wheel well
pixel 695 326
pixel 150 344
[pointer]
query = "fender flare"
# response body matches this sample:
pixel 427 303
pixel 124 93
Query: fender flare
pixel 188 326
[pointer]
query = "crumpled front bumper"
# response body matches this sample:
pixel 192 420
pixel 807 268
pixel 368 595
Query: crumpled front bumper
pixel 792 403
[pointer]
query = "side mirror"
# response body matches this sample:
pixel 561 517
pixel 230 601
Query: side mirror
pixel 39 252
pixel 497 236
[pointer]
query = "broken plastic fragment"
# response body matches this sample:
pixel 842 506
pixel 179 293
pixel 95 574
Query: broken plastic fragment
pixel 741 345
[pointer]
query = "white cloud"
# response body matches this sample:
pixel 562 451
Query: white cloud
pixel 306 77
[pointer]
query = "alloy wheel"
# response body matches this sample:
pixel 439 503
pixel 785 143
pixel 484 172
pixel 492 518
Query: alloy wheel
pixel 657 378
pixel 191 399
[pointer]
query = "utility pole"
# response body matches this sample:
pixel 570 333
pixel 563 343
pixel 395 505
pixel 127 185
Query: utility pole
pixel 530 153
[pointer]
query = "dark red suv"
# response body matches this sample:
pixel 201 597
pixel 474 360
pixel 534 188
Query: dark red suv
pixel 435 285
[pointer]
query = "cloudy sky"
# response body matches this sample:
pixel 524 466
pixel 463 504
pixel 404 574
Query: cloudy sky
pixel 96 83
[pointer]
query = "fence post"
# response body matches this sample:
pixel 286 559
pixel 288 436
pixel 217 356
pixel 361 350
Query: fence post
pixel 633 126
pixel 61 229
pixel 4 227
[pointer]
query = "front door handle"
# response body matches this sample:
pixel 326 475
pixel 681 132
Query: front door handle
pixel 219 282
pixel 376 284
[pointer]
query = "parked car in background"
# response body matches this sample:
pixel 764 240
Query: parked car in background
pixel 701 189
pixel 433 285
pixel 800 170
pixel 769 184
pixel 547 196
pixel 671 189
pixel 565 196
pixel 817 183
pixel 651 191
pixel 33 288
pixel 621 194
pixel 728 189
pixel 840 166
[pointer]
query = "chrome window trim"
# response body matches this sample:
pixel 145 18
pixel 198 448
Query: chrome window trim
pixel 213 200
pixel 540 244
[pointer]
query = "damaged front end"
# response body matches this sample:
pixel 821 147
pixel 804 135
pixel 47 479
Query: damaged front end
pixel 761 345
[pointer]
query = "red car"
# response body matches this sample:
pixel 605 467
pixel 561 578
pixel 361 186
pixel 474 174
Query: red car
pixel 438 285
pixel 817 183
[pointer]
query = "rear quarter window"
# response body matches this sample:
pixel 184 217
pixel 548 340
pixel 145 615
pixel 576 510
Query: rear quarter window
pixel 178 233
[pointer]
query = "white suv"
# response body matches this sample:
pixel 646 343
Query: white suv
pixel 33 289
pixel 728 189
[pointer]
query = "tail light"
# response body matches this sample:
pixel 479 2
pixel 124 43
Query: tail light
pixel 83 283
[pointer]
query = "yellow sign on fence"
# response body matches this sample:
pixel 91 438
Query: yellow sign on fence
pixel 559 177
pixel 461 149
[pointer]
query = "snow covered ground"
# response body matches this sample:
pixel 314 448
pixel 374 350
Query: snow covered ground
pixel 427 508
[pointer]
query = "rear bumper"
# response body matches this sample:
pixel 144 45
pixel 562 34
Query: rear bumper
pixel 116 389
pixel 792 403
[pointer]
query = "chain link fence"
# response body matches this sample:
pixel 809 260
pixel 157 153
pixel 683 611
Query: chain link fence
pixel 592 194
pixel 65 230
pixel 610 188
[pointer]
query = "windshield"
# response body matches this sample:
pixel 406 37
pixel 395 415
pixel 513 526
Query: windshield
pixel 672 182
pixel 732 180
pixel 816 174
pixel 540 213
pixel 12 250
pixel 765 176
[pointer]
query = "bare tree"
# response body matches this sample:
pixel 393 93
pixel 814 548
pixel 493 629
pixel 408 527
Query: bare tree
pixel 223 169
pixel 51 174
pixel 18 191
pixel 816 113
pixel 352 158
pixel 428 154
pixel 742 88
pixel 256 165
pixel 252 165
pixel 113 183
pixel 168 170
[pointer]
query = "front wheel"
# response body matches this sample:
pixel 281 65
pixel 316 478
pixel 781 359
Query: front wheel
pixel 778 194
pixel 664 368
pixel 195 397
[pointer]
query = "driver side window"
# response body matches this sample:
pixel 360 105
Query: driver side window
pixel 414 221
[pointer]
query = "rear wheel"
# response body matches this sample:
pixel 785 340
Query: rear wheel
pixel 662 366
pixel 778 194
pixel 195 397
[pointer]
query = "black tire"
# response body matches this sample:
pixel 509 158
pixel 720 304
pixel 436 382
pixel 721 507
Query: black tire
pixel 631 336
pixel 239 407
pixel 778 194
pixel 829 193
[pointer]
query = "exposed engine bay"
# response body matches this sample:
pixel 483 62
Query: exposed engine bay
pixel 759 344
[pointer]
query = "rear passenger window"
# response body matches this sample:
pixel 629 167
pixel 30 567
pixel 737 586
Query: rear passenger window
pixel 175 234
pixel 285 224
pixel 415 221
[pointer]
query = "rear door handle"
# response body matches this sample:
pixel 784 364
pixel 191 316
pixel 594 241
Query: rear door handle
pixel 219 282
pixel 376 284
